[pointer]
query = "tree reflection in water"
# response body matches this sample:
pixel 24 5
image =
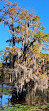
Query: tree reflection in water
pixel 33 95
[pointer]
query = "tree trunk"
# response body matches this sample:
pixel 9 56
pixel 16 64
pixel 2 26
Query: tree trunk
pixel 13 43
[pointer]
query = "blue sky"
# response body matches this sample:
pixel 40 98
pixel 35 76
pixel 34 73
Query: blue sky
pixel 41 8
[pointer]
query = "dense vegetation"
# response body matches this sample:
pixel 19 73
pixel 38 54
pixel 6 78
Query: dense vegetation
pixel 19 107
pixel 25 29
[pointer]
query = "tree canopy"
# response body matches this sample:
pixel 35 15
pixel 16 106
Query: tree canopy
pixel 24 27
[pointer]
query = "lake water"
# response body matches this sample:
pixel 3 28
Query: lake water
pixel 34 100
pixel 5 95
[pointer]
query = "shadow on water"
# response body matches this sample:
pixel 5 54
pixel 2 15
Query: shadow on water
pixel 30 96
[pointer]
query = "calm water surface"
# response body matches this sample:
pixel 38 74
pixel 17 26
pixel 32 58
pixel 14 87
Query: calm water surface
pixel 6 95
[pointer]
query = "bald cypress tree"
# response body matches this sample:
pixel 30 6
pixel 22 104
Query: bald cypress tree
pixel 24 27
pixel 10 18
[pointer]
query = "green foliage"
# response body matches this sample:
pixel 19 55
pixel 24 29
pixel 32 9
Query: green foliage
pixel 20 107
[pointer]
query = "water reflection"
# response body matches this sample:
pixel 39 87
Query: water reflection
pixel 37 97
pixel 5 95
pixel 32 97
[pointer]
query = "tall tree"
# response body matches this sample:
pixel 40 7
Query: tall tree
pixel 24 27
pixel 32 32
pixel 10 18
